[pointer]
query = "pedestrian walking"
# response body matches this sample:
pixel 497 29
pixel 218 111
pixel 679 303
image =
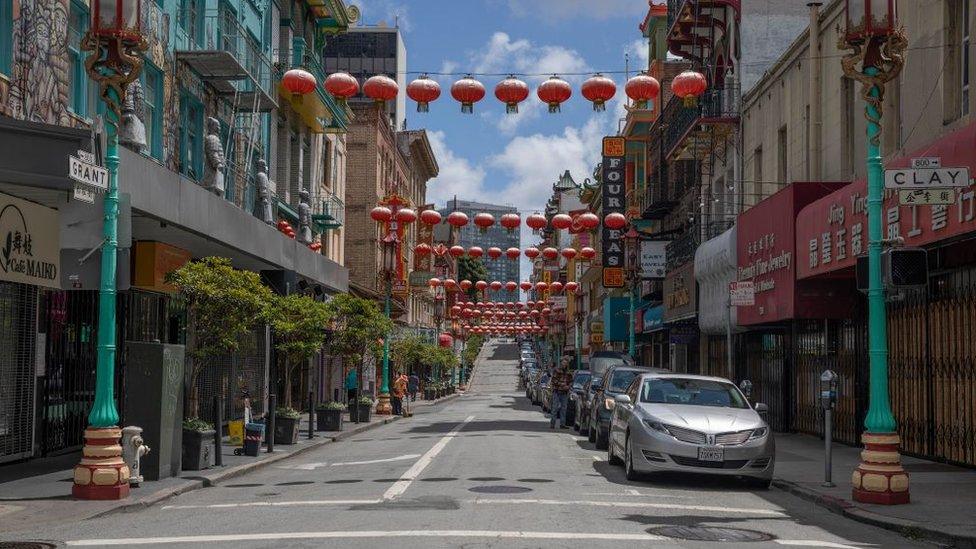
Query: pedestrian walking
pixel 352 385
pixel 562 379
pixel 399 391
pixel 413 385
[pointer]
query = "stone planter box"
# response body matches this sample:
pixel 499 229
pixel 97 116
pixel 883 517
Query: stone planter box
pixel 328 420
pixel 198 450
pixel 286 430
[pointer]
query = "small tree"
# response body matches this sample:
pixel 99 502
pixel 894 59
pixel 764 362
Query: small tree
pixel 358 325
pixel 469 268
pixel 406 353
pixel 223 305
pixel 300 325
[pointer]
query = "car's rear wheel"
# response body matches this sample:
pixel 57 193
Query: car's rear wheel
pixel 612 458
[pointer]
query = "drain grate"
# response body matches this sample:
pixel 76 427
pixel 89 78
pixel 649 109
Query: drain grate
pixel 709 533
pixel 499 489
pixel 26 545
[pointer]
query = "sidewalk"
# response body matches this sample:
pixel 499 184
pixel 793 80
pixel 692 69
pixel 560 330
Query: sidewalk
pixel 38 492
pixel 942 495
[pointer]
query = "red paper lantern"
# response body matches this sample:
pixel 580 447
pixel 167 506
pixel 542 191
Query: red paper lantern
pixel 589 220
pixel 511 91
pixel 484 220
pixel 513 253
pixel 475 252
pixel 495 285
pixel 541 286
pixel 599 89
pixel 554 92
pixel 511 286
pixel 642 88
pixel 380 88
pixel 299 83
pixel 315 246
pixel 457 219
pixel 423 90
pixel 381 214
pixel 689 85
pixel 480 285
pixel 526 286
pixel 562 221
pixel 434 282
pixel 536 222
pixel 571 287
pixel 456 251
pixel 465 285
pixel 494 252
pixel 406 215
pixel 587 253
pixel 556 287
pixel 341 85
pixel 510 221
pixel 568 253
pixel 615 220
pixel 550 253
pixel 531 253
pixel 422 249
pixel 467 91
pixel 430 217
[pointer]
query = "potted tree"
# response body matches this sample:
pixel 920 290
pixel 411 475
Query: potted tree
pixel 358 324
pixel 299 325
pixel 365 407
pixel 223 304
pixel 198 444
pixel 328 416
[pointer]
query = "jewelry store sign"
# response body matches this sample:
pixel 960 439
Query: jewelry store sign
pixel 30 250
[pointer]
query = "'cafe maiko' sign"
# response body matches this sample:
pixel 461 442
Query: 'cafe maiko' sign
pixel 30 250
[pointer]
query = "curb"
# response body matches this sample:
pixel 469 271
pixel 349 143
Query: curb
pixel 231 472
pixel 907 528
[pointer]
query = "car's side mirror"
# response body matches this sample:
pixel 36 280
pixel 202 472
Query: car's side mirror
pixel 622 399
pixel 762 408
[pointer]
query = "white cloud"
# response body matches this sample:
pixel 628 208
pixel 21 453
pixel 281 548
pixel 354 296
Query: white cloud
pixel 567 9
pixel 457 176
pixel 640 54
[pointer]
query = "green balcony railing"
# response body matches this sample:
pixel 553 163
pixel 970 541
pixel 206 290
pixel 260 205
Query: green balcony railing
pixel 328 211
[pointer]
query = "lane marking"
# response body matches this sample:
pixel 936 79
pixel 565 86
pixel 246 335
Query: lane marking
pixel 815 543
pixel 311 466
pixel 633 492
pixel 368 534
pixel 407 478
pixel 274 504
pixel 634 504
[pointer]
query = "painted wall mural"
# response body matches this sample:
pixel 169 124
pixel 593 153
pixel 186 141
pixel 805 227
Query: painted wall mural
pixel 38 89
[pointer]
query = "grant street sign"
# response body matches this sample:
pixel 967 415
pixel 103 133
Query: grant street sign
pixel 927 178
pixel 86 172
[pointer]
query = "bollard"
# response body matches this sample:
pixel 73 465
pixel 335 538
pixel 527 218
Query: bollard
pixel 218 431
pixel 828 447
pixel 270 431
pixel 311 416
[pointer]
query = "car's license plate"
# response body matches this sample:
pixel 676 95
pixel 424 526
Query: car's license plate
pixel 711 454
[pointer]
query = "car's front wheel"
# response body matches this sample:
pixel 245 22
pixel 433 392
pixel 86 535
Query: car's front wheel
pixel 629 470
pixel 759 483
pixel 602 438
pixel 590 431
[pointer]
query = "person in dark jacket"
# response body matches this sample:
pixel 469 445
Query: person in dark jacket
pixel 562 379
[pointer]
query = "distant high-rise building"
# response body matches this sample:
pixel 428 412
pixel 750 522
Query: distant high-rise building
pixel 501 269
pixel 368 51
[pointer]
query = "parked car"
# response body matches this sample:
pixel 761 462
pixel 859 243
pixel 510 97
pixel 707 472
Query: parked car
pixel 575 390
pixel 538 387
pixel 531 376
pixel 590 388
pixel 601 360
pixel 690 423
pixel 617 379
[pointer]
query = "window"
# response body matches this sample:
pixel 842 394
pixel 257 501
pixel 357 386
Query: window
pixel 782 173
pixel 956 35
pixel 757 164
pixel 847 127
pixel 964 60
pixel 78 79
pixel 6 36
pixel 152 88
pixel 191 137
pixel 191 20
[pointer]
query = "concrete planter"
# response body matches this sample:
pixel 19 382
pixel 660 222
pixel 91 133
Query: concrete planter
pixel 328 420
pixel 198 450
pixel 286 430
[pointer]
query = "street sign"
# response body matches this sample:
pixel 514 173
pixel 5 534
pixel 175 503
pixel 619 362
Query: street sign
pixel 927 162
pixel 87 173
pixel 927 178
pixel 653 258
pixel 742 293
pixel 84 193
pixel 926 197
pixel 558 302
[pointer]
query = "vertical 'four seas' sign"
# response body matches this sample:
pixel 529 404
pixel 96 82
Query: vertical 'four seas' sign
pixel 614 194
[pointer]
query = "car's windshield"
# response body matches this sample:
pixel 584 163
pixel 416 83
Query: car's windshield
pixel 580 379
pixel 596 382
pixel 692 392
pixel 621 379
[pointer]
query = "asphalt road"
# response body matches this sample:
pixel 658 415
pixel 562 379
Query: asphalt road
pixel 482 471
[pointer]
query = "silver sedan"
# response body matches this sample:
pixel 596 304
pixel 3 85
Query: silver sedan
pixel 689 423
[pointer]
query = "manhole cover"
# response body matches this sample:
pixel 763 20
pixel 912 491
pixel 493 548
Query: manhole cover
pixel 26 545
pixel 499 489
pixel 709 533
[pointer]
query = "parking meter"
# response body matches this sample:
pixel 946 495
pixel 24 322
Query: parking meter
pixel 746 387
pixel 828 399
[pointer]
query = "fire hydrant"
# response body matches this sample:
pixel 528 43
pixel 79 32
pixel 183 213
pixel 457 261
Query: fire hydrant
pixel 132 451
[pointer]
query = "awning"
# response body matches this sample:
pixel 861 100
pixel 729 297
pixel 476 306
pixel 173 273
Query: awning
pixel 652 320
pixel 715 268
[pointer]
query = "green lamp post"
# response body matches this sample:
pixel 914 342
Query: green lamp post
pixel 632 238
pixel 116 44
pixel 877 44
pixel 390 253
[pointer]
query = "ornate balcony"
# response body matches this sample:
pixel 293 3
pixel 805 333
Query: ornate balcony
pixel 691 132
pixel 695 27
pixel 319 110
pixel 225 56
pixel 328 212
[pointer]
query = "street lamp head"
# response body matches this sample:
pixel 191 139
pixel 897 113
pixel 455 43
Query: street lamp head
pixel 389 254
pixel 117 19
pixel 868 19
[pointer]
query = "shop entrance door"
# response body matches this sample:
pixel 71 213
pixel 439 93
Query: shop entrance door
pixel 18 339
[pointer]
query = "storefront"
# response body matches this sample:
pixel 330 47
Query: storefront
pixel 680 317
pixel 932 352
pixel 766 352
pixel 653 346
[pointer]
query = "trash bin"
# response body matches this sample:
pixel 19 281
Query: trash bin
pixel 253 435
pixel 235 432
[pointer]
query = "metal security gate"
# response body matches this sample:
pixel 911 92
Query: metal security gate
pixel 18 329
pixel 764 361
pixel 231 375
